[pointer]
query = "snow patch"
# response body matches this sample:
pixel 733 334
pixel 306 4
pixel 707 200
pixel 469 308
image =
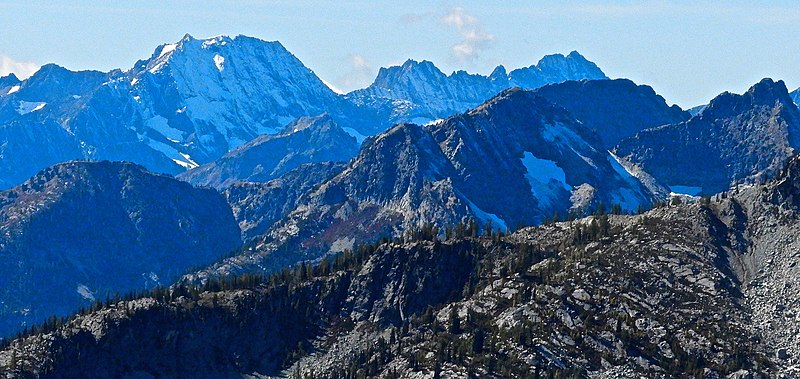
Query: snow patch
pixel 547 180
pixel 332 87
pixel 486 217
pixel 76 97
pixel 685 190
pixel 219 61
pixel 616 164
pixel 12 90
pixel 182 159
pixel 168 48
pixel 134 81
pixel 160 124
pixel 162 57
pixel 26 107
pixel 421 120
pixel 625 197
pixel 359 137
pixel 544 171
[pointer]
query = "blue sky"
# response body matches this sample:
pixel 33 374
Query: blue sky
pixel 689 51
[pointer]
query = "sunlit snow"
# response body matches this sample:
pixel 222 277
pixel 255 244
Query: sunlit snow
pixel 219 61
pixel 12 90
pixel 486 217
pixel 26 107
pixel 685 190
pixel 547 180
pixel 85 292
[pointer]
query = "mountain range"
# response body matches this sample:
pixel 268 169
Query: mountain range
pixel 683 290
pixel 218 211
pixel 193 101
pixel 419 92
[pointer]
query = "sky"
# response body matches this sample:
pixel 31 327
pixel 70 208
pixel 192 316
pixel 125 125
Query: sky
pixel 688 51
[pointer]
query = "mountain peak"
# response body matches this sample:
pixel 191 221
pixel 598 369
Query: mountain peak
pixel 187 37
pixel 10 78
pixel 574 54
pixel 768 90
pixel 499 73
pixel 306 122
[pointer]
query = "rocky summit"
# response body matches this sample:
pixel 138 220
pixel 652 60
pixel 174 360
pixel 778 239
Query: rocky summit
pixel 419 92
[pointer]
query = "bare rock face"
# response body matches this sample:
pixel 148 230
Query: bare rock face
pixel 256 206
pixel 82 231
pixel 613 109
pixel 306 140
pixel 735 139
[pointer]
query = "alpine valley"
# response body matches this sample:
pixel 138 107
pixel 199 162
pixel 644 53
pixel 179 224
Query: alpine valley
pixel 218 211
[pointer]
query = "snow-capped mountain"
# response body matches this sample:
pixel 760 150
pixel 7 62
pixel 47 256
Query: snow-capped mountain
pixel 199 99
pixel 306 140
pixel 195 100
pixel 515 160
pixel 82 231
pixel 736 139
pixel 188 104
pixel 419 92
pixel 8 84
pixel 37 116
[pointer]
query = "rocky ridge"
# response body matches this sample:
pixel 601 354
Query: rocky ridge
pixel 79 232
pixel 735 139
pixel 668 292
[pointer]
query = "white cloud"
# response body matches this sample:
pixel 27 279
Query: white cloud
pixel 359 62
pixel 459 18
pixel 474 38
pixel 360 74
pixel 21 69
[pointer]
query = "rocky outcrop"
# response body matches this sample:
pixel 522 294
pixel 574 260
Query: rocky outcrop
pixel 256 206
